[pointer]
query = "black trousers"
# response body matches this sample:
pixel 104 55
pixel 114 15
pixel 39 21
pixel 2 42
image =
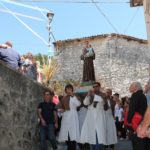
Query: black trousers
pixel 139 143
pixel 71 145
pixel 112 146
pixel 84 146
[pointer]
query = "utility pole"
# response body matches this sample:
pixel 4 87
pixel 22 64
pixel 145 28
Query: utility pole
pixel 146 5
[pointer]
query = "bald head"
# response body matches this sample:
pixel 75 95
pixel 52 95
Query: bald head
pixel 135 86
pixel 9 44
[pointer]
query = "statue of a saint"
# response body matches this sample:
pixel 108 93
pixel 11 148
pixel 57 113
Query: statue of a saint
pixel 88 56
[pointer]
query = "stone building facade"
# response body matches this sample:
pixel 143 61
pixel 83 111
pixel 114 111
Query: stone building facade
pixel 120 59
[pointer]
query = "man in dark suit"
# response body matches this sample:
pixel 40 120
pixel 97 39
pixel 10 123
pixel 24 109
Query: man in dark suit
pixel 138 103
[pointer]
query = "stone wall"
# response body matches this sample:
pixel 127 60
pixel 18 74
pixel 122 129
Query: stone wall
pixel 19 97
pixel 119 61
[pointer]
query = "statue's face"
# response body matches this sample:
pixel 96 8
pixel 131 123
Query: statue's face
pixel 86 43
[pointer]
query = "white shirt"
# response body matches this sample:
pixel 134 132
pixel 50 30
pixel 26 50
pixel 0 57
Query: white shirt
pixel 119 112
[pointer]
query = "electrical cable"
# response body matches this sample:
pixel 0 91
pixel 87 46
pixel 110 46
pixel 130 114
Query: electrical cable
pixel 72 1
pixel 103 14
pixel 130 22
pixel 23 23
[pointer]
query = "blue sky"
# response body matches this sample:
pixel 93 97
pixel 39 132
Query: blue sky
pixel 71 20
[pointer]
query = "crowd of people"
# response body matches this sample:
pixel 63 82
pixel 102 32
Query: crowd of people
pixel 29 67
pixel 96 120
pixel 26 64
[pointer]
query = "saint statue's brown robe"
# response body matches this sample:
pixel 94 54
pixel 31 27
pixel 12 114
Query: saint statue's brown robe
pixel 88 66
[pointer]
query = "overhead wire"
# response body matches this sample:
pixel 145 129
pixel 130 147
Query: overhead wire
pixel 15 2
pixel 46 20
pixel 105 17
pixel 72 1
pixel 24 5
pixel 22 15
pixel 23 23
pixel 132 19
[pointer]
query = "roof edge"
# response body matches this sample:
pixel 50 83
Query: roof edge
pixel 129 38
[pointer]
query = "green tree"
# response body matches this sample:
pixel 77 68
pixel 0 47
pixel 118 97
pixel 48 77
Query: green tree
pixel 43 59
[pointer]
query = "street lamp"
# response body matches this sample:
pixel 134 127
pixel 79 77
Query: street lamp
pixel 50 16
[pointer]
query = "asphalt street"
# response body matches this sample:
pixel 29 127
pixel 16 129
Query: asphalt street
pixel 122 145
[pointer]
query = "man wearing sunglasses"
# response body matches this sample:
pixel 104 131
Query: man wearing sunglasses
pixel 93 129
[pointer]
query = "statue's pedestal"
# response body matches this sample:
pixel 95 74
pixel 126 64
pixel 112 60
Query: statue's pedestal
pixel 83 89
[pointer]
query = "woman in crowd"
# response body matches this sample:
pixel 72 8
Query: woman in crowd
pixel 118 115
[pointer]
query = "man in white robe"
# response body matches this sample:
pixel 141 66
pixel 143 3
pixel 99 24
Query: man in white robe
pixel 93 129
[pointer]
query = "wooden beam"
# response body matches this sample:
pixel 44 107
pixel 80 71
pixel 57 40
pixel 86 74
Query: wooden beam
pixel 146 4
pixel 135 3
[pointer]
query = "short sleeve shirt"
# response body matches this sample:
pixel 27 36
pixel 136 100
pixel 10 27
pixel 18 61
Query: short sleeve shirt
pixel 47 111
pixel 10 57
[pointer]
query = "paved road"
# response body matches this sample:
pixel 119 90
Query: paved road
pixel 122 145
